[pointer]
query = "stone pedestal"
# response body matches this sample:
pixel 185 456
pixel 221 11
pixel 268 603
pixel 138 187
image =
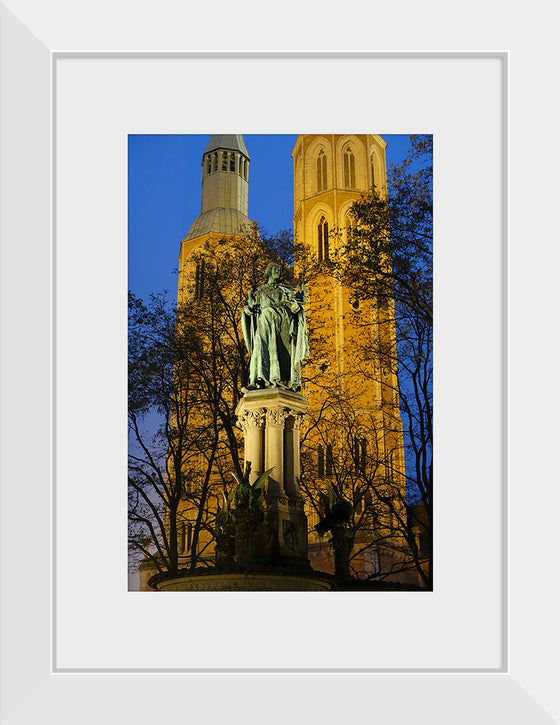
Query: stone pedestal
pixel 246 582
pixel 271 421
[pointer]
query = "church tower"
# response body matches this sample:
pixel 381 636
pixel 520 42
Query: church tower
pixel 223 214
pixel 223 208
pixel 330 173
pixel 348 338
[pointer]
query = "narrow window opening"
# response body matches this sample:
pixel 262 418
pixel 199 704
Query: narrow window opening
pixel 199 280
pixel 350 229
pixel 323 240
pixel 349 168
pixel 232 162
pixel 321 171
pixel 356 453
pixel 326 256
pixel 390 470
pixel 329 460
pixel 360 453
pixel 320 460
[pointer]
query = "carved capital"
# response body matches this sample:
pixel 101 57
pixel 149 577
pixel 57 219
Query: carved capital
pixel 298 420
pixel 277 416
pixel 251 419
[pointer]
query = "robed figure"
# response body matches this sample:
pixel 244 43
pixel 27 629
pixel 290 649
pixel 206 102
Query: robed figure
pixel 275 333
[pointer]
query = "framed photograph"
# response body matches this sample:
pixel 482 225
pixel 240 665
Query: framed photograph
pixel 480 648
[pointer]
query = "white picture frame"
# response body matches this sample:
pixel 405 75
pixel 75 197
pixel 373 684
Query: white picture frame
pixel 518 687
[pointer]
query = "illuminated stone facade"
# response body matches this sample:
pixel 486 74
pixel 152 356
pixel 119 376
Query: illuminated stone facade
pixel 362 419
pixel 330 173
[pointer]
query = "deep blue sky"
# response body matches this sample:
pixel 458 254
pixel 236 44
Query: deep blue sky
pixel 164 180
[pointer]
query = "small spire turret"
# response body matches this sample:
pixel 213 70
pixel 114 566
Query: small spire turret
pixel 225 188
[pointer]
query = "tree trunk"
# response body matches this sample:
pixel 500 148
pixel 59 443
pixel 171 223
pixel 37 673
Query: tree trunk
pixel 342 541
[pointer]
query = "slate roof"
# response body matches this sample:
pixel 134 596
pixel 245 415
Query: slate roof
pixel 220 221
pixel 230 142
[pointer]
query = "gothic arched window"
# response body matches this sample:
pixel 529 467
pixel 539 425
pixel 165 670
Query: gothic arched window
pixel 232 162
pixel 320 460
pixel 329 460
pixel 350 227
pixel 363 452
pixel 323 240
pixel 215 161
pixel 389 466
pixel 360 453
pixel 321 171
pixel 199 279
pixel 356 454
pixel 208 164
pixel 349 168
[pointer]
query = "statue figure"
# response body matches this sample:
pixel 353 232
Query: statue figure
pixel 275 333
pixel 247 496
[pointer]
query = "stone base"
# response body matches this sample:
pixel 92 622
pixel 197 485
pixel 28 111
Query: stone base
pixel 245 582
pixel 279 540
pixel 271 421
pixel 286 523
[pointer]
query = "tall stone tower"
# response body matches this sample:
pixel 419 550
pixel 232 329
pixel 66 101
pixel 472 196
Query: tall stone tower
pixel 330 173
pixel 348 338
pixel 223 214
pixel 223 207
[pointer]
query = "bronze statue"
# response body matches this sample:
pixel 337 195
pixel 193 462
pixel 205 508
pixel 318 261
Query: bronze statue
pixel 275 333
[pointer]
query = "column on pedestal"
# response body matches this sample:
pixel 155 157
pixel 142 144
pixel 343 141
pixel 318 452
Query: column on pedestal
pixel 291 454
pixel 252 423
pixel 274 450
